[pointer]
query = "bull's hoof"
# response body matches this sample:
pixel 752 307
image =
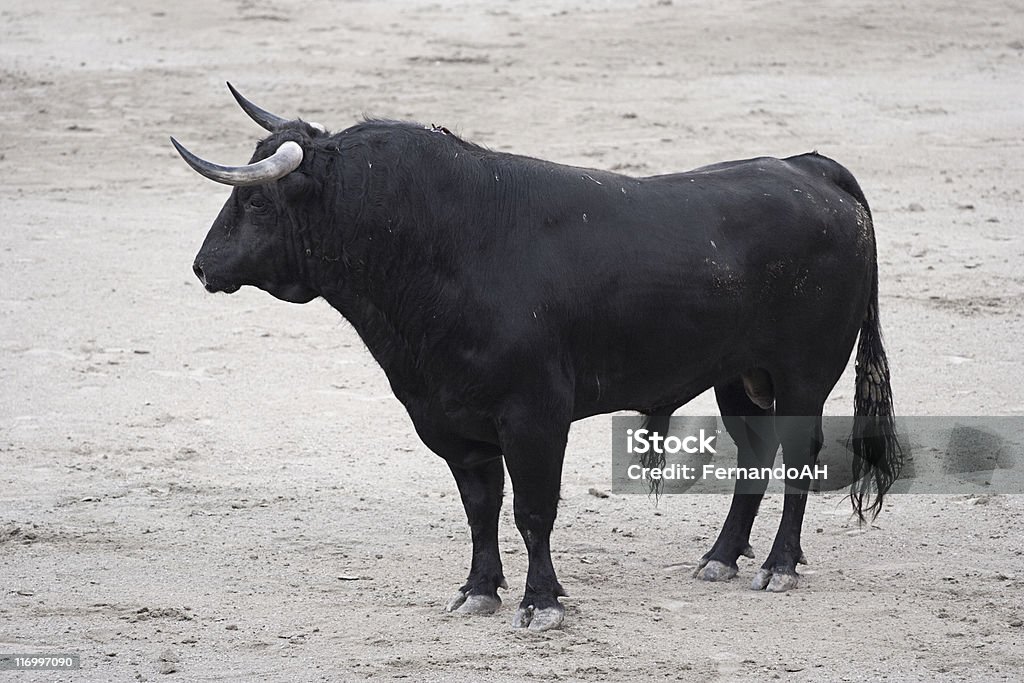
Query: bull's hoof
pixel 716 571
pixel 460 603
pixel 539 619
pixel 774 582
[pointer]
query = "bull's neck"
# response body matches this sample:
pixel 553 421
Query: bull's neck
pixel 409 245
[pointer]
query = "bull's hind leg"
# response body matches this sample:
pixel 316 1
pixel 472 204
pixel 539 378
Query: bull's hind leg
pixel 756 445
pixel 799 428
pixel 481 487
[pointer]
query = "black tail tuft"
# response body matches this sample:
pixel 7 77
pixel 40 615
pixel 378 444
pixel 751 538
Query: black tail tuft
pixel 656 422
pixel 877 453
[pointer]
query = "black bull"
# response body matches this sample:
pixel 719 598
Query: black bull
pixel 506 297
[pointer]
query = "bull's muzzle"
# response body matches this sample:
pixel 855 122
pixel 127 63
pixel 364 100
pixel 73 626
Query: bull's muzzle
pixel 211 286
pixel 197 268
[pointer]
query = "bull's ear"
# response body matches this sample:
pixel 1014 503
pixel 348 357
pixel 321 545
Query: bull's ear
pixel 298 185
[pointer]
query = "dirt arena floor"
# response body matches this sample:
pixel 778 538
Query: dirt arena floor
pixel 223 488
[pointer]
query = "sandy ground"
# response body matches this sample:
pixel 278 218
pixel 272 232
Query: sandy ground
pixel 224 487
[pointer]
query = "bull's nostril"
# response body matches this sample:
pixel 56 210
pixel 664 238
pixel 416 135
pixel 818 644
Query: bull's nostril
pixel 198 270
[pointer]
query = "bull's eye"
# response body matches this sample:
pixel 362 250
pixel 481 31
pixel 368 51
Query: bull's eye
pixel 257 202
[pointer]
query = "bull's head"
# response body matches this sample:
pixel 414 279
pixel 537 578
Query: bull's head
pixel 259 237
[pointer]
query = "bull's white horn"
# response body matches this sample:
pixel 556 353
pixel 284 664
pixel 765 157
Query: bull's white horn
pixel 282 162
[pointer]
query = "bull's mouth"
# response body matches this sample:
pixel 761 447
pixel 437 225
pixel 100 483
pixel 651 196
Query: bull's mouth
pixel 292 293
pixel 227 289
pixel 213 288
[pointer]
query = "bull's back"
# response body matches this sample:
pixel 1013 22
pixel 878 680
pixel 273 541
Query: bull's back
pixel 704 274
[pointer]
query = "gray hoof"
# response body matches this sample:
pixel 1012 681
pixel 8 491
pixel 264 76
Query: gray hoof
pixel 480 604
pixel 773 582
pixel 781 583
pixel 460 603
pixel 716 571
pixel 539 619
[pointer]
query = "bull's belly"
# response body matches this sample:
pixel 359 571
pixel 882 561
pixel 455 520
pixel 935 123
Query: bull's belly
pixel 648 380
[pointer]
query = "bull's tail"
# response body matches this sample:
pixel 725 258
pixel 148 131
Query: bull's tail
pixel 877 454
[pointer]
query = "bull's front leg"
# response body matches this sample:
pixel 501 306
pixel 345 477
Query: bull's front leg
pixel 481 488
pixel 534 447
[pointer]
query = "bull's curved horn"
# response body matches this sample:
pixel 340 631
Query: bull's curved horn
pixel 282 162
pixel 271 122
